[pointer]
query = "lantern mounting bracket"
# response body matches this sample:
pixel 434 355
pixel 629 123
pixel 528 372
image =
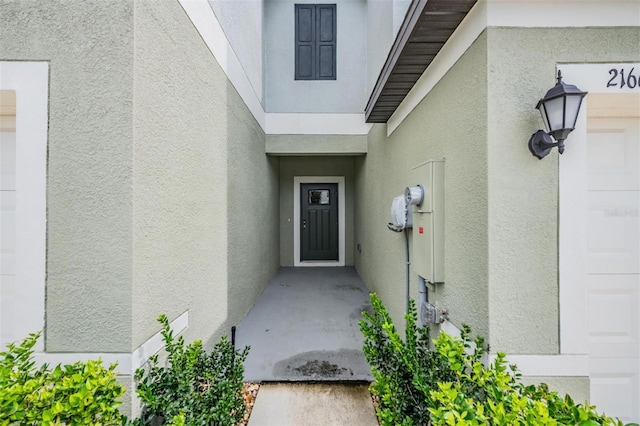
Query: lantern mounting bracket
pixel 540 144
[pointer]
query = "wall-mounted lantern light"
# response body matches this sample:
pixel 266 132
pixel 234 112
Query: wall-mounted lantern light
pixel 559 109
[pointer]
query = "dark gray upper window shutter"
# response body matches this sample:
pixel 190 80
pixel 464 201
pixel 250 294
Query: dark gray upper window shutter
pixel 315 41
pixel 305 41
pixel 326 42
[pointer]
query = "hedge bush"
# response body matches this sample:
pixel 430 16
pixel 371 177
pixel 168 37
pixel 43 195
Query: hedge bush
pixel 451 385
pixel 84 393
pixel 195 387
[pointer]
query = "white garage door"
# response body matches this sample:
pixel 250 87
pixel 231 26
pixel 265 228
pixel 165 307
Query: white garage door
pixel 613 158
pixel 7 218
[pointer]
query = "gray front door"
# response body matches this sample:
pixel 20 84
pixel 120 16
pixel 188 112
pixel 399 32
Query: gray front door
pixel 319 221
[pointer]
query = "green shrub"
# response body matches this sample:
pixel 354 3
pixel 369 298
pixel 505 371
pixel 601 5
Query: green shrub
pixel 493 395
pixel 403 370
pixel 450 385
pixel 83 393
pixel 194 388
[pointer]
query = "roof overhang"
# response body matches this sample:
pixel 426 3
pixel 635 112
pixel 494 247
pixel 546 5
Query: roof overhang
pixel 427 26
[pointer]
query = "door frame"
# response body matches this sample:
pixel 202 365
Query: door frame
pixel 297 180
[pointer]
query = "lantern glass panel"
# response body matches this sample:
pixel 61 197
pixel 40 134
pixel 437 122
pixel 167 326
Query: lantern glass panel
pixel 554 109
pixel 573 107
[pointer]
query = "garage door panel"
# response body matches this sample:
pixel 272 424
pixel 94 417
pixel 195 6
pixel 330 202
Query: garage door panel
pixel 7 232
pixel 613 225
pixel 7 309
pixel 613 155
pixel 613 267
pixel 614 386
pixel 7 161
pixel 614 315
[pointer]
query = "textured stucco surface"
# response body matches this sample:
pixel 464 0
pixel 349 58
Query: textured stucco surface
pixel 242 23
pixel 523 191
pixel 347 93
pixel 197 149
pixel 380 36
pixel 252 211
pixel 450 123
pixel 314 166
pixel 316 144
pixel 180 165
pixel 501 273
pixel 576 387
pixel 89 241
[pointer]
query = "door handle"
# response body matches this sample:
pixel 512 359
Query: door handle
pixel 304 224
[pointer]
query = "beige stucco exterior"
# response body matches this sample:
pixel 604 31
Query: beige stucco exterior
pixel 501 204
pixel 90 196
pixel 523 220
pixel 147 159
pixel 434 130
pixel 165 195
pixel 197 148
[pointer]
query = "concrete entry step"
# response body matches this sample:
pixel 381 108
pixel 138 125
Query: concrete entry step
pixel 313 404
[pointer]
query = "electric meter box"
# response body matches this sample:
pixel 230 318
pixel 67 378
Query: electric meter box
pixel 428 222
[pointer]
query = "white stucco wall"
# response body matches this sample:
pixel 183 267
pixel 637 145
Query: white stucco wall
pixel 346 94
pixel 380 37
pixel 399 11
pixel 242 22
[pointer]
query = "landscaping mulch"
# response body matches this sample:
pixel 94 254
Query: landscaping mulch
pixel 249 394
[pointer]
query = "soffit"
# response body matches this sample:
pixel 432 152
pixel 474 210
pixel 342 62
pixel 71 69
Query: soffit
pixel 426 28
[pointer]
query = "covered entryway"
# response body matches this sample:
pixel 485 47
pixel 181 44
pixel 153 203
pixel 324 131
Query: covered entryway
pixel 613 267
pixel 322 222
pixel 304 327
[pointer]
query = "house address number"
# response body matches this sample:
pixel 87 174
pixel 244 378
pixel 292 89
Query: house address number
pixel 624 77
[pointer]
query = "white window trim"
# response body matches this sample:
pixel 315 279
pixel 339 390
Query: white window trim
pixel 297 180
pixel 30 81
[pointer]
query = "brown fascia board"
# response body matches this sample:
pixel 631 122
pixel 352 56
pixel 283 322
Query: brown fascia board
pixel 411 18
pixel 425 29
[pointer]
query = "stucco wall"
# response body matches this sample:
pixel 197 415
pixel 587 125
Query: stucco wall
pixel 450 123
pixel 380 36
pixel 316 144
pixel 242 23
pixel 399 11
pixel 197 148
pixel 346 94
pixel 523 191
pixel 252 211
pixel 576 387
pixel 314 166
pixel 501 233
pixel 89 241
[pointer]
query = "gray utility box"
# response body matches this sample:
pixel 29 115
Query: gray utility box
pixel 428 222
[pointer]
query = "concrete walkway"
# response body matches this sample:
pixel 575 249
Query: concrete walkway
pixel 326 404
pixel 304 327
